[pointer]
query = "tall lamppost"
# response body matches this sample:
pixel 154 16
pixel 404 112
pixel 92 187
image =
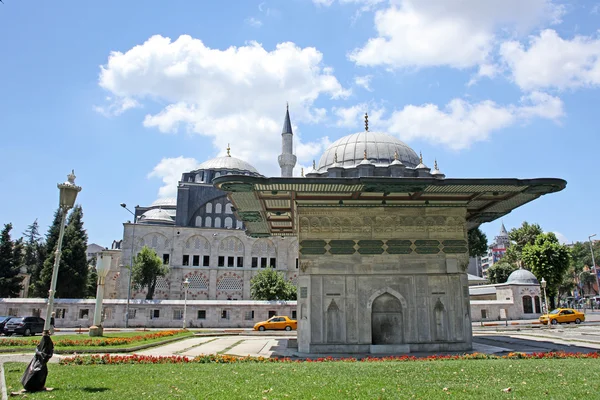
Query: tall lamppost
pixel 102 267
pixel 68 194
pixel 543 284
pixel 130 265
pixel 594 261
pixel 186 284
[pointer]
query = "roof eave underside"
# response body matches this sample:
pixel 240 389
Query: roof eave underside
pixel 268 205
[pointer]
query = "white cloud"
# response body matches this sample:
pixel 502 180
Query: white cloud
pixel 116 107
pixel 364 82
pixel 323 3
pixel 354 116
pixel 254 22
pixel 553 62
pixel 169 170
pixel 236 95
pixel 460 124
pixel 455 33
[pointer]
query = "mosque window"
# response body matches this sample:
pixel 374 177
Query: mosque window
pixel 201 314
pixel 294 314
pixel 228 208
pixel 218 208
pixel 249 315
pixel 206 261
pixel 221 261
pixel 224 314
pixel 208 222
pixel 228 223
pixel 198 221
pixel 218 222
pixel 186 260
pixel 178 313
pixel 209 208
pixel 198 178
pixel 196 261
pixel 254 262
pixel 263 262
pixel 240 262
pixel 230 261
pixel 198 281
pixel 272 313
pixel 537 304
pixel 166 258
pixel 154 314
pixel 273 262
pixel 296 263
pixel 527 305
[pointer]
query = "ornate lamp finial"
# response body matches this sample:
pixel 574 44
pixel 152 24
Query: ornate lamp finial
pixel 228 150
pixel 71 177
pixel 396 154
pixel 314 165
pixel 335 160
pixel 365 154
pixel 435 164
pixel 421 157
pixel 302 171
pixel 366 122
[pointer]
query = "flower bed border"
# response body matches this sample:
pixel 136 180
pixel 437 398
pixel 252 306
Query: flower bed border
pixel 108 359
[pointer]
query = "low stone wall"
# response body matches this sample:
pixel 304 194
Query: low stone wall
pixel 75 313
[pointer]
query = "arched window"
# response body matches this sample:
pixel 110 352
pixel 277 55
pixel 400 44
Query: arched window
pixel 198 177
pixel 527 305
pixel 208 222
pixel 209 208
pixel 198 221
pixel 218 208
pixel 228 223
pixel 217 222
pixel 228 208
pixel 217 174
pixel 537 305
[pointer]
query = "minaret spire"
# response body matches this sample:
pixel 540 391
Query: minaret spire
pixel 287 159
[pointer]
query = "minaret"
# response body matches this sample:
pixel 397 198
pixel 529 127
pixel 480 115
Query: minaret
pixel 287 160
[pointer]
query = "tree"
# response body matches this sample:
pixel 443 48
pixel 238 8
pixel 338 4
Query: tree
pixel 520 237
pixel 478 243
pixel 147 267
pixel 10 282
pixel 39 287
pixel 547 259
pixel 73 268
pixel 271 285
pixel 500 271
pixel 32 239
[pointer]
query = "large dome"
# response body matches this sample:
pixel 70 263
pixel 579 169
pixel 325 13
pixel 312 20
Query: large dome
pixel 381 149
pixel 523 277
pixel 228 163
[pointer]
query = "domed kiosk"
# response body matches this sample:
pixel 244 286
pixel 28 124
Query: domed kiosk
pixel 382 243
pixel 522 277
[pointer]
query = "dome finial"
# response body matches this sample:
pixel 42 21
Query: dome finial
pixel 335 160
pixel 302 172
pixel 366 122
pixel 420 157
pixel 314 165
pixel 228 150
pixel 435 164
pixel 365 155
pixel 396 154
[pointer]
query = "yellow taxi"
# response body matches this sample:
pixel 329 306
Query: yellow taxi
pixel 277 322
pixel 562 315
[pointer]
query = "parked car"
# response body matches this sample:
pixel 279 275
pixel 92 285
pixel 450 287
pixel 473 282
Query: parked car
pixel 24 326
pixel 277 322
pixel 3 321
pixel 562 315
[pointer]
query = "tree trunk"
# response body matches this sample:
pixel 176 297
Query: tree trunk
pixel 151 288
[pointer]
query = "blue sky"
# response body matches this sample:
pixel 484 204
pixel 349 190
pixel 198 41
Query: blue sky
pixel 132 94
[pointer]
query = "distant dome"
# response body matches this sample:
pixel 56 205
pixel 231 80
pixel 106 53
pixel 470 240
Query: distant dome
pixel 228 163
pixel 156 215
pixel 523 277
pixel 169 201
pixel 381 149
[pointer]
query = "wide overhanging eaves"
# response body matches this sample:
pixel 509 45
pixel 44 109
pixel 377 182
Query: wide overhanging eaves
pixel 268 205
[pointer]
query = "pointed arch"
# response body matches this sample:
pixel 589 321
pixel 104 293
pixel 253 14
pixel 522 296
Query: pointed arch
pixel 386 290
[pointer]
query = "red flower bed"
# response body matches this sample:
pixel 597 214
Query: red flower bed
pixel 225 359
pixel 98 341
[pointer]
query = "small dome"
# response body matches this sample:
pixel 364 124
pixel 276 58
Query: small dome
pixel 523 277
pixel 168 201
pixel 156 215
pixel 381 149
pixel 228 163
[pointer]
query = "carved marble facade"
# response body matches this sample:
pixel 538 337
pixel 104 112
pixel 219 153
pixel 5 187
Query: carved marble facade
pixel 383 280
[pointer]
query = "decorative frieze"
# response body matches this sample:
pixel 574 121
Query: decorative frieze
pixel 374 247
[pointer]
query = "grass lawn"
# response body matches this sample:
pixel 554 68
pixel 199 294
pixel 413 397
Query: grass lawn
pixel 463 379
pixel 29 343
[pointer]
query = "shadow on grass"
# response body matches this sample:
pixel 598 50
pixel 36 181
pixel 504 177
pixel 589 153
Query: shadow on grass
pixel 94 389
pixel 533 345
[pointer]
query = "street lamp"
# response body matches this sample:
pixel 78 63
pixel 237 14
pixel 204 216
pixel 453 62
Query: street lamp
pixel 130 265
pixel 34 378
pixel 543 284
pixel 68 194
pixel 102 267
pixel 594 262
pixel 186 284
